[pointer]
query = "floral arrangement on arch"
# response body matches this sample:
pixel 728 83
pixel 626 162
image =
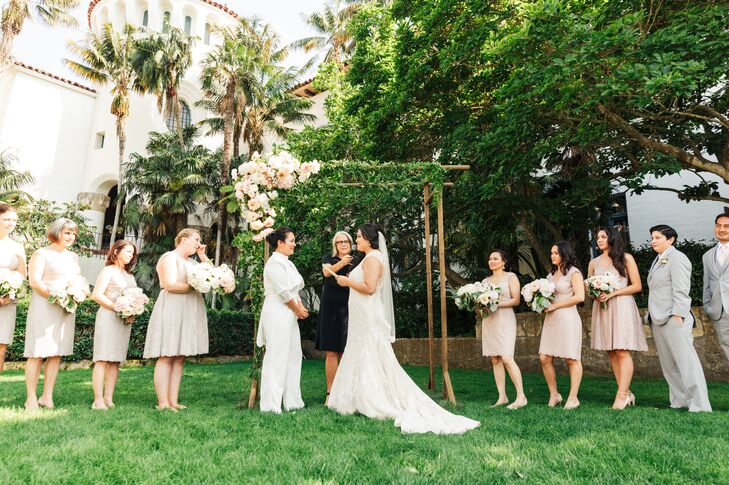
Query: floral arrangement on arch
pixel 258 181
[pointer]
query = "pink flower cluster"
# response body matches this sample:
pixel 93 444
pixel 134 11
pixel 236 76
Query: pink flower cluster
pixel 130 303
pixel 257 182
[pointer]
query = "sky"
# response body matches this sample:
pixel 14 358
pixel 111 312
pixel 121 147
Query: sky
pixel 45 47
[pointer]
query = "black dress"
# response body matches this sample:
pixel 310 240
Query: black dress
pixel 331 332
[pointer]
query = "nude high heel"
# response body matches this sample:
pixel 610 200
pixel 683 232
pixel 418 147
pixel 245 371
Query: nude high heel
pixel 622 404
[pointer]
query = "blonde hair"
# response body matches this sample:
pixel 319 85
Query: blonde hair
pixel 58 226
pixel 334 241
pixel 186 232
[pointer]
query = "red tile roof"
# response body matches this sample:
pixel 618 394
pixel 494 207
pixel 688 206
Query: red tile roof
pixel 217 5
pixel 53 76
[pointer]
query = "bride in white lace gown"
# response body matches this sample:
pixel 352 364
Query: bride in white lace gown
pixel 369 380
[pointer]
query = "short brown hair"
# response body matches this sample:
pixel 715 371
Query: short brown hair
pixel 186 232
pixel 56 228
pixel 113 255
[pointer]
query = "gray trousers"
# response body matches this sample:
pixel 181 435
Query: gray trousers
pixel 721 327
pixel 681 366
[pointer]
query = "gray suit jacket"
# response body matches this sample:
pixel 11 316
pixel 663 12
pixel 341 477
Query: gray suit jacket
pixel 716 285
pixel 669 283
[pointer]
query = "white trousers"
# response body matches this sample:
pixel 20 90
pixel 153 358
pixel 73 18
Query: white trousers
pixel 681 366
pixel 281 370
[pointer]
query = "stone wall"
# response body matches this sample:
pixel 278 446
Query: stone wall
pixel 465 352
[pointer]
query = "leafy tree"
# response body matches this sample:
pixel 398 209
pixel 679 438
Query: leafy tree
pixel 161 61
pixel 11 181
pixel 107 59
pixel 34 219
pixel 16 12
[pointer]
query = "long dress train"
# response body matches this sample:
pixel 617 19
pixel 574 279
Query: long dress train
pixel 371 382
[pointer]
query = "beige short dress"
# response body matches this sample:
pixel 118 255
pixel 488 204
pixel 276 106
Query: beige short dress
pixel 10 262
pixel 562 330
pixel 617 327
pixel 179 323
pixel 111 334
pixel 498 331
pixel 49 328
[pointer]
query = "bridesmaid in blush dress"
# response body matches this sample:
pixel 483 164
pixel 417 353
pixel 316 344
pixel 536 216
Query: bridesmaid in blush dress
pixel 12 258
pixel 111 333
pixel 562 330
pixel 617 328
pixel 49 329
pixel 498 333
pixel 178 326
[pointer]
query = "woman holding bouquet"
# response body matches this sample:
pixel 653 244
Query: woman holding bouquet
pixel 562 330
pixel 616 324
pixel 49 328
pixel 498 334
pixel 278 328
pixel 111 333
pixel 12 267
pixel 178 326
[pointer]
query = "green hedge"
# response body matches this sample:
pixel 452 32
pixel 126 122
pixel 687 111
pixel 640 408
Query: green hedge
pixel 231 333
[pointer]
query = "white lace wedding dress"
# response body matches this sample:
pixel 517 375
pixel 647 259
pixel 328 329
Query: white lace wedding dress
pixel 369 379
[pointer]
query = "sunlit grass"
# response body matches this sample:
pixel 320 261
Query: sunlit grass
pixel 214 442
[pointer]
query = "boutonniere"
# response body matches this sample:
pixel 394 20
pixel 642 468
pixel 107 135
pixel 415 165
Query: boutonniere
pixel 663 261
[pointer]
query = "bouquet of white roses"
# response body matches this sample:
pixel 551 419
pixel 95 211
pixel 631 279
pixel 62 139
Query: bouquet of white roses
pixel 11 284
pixel 480 297
pixel 599 284
pixel 130 303
pixel 205 278
pixel 69 293
pixel 538 294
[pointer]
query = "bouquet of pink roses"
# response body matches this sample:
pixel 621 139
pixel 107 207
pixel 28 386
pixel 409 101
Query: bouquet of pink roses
pixel 599 284
pixel 130 303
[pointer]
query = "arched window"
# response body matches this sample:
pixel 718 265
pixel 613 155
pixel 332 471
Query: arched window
pixel 206 38
pixel 188 24
pixel 166 22
pixel 145 18
pixel 185 118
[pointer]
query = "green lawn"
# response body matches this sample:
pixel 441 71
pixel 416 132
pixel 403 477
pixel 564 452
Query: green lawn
pixel 213 442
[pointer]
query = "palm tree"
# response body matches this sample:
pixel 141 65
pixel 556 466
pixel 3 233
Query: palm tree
pixel 107 59
pixel 11 180
pixel 50 12
pixel 273 106
pixel 161 61
pixel 334 39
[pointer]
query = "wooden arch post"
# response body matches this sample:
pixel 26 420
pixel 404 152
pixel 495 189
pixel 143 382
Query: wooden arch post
pixel 427 199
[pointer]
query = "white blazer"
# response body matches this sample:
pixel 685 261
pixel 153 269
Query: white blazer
pixel 281 283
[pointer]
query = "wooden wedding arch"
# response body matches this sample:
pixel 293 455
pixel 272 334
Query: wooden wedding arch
pixel 428 197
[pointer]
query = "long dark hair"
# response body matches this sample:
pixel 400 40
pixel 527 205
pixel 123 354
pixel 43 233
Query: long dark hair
pixel 567 256
pixel 617 249
pixel 370 231
pixel 113 255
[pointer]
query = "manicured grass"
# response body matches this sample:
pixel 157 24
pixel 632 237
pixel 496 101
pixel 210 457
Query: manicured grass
pixel 213 442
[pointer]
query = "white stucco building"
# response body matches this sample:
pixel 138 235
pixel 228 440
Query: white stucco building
pixel 62 131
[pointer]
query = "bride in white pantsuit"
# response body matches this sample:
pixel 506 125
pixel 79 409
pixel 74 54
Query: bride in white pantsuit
pixel 278 328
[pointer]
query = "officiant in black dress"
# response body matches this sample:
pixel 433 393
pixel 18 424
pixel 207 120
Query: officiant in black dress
pixel 331 332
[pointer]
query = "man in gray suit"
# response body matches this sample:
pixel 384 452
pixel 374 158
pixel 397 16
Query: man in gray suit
pixel 669 307
pixel 716 281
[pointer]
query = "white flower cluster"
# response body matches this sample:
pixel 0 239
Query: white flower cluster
pixel 205 277
pixel 11 284
pixel 538 294
pixel 130 303
pixel 480 297
pixel 256 183
pixel 69 293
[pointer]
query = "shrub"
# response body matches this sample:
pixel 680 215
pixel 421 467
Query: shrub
pixel 231 333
